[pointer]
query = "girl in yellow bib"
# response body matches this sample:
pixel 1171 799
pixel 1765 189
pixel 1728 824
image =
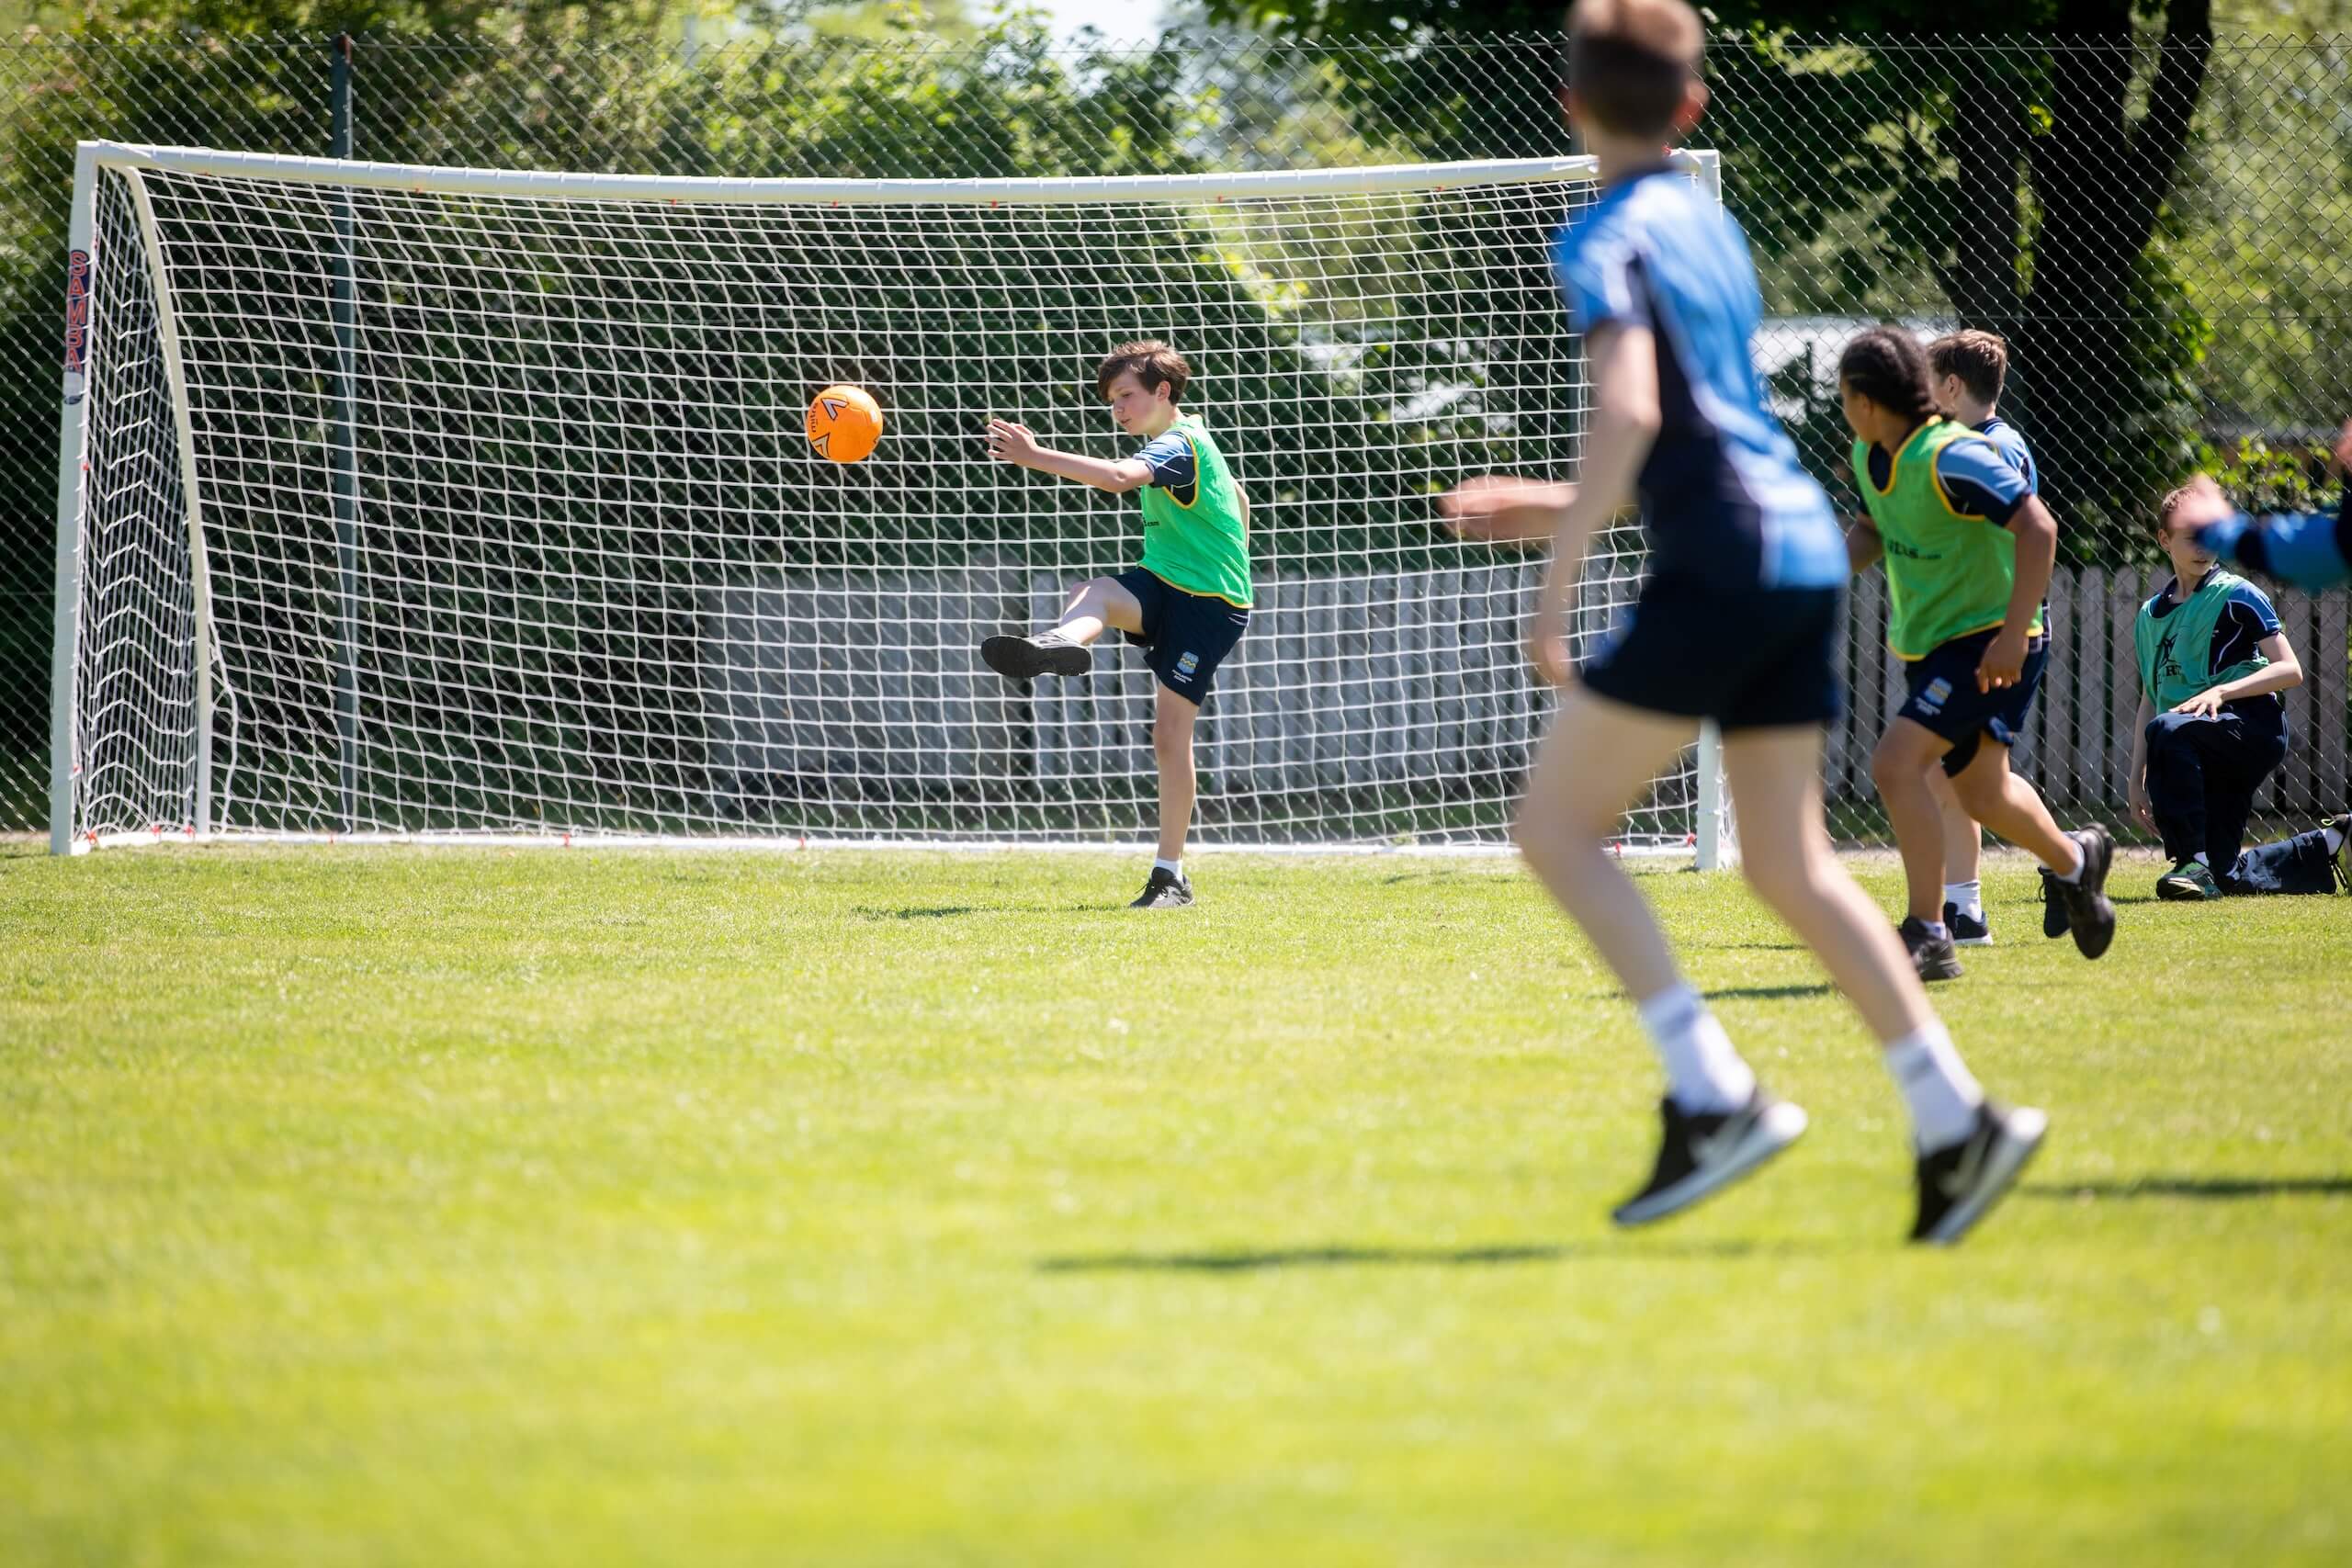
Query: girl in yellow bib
pixel 1968 549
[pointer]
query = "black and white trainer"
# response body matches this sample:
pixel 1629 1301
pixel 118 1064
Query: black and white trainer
pixel 1967 930
pixel 2088 914
pixel 1960 1184
pixel 1704 1153
pixel 1027 657
pixel 1165 890
pixel 1931 955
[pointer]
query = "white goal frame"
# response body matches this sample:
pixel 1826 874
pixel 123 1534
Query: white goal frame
pixel 1712 840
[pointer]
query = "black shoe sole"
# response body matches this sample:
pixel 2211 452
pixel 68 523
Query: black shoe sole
pixel 2021 1137
pixel 1019 658
pixel 2093 927
pixel 1932 970
pixel 1931 966
pixel 1781 1125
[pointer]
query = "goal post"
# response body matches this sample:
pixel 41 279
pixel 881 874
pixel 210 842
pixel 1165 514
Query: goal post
pixel 458 504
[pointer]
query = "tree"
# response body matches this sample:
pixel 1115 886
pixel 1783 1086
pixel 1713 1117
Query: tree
pixel 2026 172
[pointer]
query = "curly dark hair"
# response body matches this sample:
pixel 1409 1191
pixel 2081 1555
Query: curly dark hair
pixel 1887 365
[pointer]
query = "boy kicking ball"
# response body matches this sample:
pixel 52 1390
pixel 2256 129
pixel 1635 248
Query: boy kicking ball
pixel 1739 622
pixel 1185 604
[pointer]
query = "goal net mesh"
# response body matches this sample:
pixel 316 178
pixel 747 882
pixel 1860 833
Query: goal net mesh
pixel 592 578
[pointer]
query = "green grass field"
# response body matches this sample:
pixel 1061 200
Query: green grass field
pixel 415 1206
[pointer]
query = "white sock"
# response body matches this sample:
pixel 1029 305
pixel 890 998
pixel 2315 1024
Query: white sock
pixel 1942 1094
pixel 2200 858
pixel 1703 1072
pixel 2335 841
pixel 1968 897
pixel 1172 867
pixel 2075 874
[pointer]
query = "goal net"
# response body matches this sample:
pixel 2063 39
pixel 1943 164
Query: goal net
pixel 401 501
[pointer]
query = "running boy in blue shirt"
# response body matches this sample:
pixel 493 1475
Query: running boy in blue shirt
pixel 1739 622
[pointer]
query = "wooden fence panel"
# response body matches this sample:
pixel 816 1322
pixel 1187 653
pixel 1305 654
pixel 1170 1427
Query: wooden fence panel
pixel 1369 682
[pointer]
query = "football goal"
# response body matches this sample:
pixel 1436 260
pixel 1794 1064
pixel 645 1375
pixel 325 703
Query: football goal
pixel 436 502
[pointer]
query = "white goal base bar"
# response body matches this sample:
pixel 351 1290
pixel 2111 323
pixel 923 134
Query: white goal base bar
pixel 158 836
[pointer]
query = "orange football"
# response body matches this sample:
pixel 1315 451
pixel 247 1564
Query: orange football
pixel 845 423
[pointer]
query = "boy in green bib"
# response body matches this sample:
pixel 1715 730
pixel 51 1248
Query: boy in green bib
pixel 1188 601
pixel 1968 551
pixel 2212 659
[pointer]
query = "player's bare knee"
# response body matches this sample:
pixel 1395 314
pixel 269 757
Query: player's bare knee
pixel 1536 827
pixel 1171 731
pixel 1781 870
pixel 1544 825
pixel 1895 766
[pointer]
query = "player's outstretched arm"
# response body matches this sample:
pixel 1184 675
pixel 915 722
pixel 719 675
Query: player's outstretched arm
pixel 1018 445
pixel 1500 509
pixel 2311 550
pixel 1626 420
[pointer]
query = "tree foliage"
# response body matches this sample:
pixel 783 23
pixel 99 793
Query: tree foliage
pixel 2026 171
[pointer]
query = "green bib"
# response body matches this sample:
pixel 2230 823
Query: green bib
pixel 1946 575
pixel 1204 547
pixel 2177 652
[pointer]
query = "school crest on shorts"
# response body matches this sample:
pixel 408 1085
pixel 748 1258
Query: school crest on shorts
pixel 1187 664
pixel 1935 693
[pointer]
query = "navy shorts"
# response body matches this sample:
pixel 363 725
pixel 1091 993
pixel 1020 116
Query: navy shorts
pixel 1944 697
pixel 1762 659
pixel 1185 636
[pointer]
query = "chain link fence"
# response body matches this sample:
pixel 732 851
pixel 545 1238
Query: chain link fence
pixel 2157 227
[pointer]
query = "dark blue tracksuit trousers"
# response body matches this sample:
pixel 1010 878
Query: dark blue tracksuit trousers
pixel 2202 773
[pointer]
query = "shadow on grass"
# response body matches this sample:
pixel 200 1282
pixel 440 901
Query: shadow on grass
pixel 1241 1262
pixel 1772 993
pixel 949 911
pixel 2206 1187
